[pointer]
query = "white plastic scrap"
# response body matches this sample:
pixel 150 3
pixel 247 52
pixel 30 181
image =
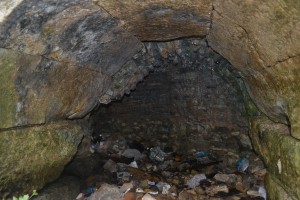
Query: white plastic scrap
pixel 151 183
pixel 195 180
pixel 139 190
pixel 80 196
pixel 153 192
pixel 262 192
pixel 133 165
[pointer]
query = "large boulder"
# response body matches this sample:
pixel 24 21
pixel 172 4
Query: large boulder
pixel 281 154
pixel 33 156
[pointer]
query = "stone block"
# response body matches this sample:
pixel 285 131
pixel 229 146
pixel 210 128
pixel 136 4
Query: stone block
pixel 281 154
pixel 33 156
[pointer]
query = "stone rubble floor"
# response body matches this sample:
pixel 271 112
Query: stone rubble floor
pixel 156 174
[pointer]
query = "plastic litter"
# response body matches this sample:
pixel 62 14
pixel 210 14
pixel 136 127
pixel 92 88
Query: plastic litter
pixel 242 164
pixel 195 180
pixel 151 183
pixel 262 192
pixel 200 154
pixel 133 164
pixel 122 175
pixel 157 155
pixel 80 196
pixel 90 190
pixel 139 190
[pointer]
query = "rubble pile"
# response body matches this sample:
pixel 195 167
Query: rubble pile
pixel 135 171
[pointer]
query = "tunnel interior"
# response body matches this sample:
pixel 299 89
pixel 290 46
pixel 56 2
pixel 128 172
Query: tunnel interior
pixel 192 102
pixel 101 95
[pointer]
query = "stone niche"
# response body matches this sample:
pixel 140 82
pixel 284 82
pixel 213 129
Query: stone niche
pixel 192 100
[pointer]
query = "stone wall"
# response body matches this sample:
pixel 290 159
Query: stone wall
pixel 191 100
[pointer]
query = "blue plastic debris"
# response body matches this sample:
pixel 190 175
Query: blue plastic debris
pixel 200 154
pixel 90 190
pixel 242 164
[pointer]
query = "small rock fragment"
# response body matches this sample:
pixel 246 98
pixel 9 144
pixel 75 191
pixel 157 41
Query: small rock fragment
pixel 110 192
pixel 126 187
pixel 195 180
pixel 163 187
pixel 148 197
pixel 187 194
pixel 212 190
pixel 226 178
pixel 156 154
pixel 132 153
pixel 110 166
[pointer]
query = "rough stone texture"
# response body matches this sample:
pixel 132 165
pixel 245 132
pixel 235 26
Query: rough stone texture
pixel 33 95
pixel 59 64
pixel 161 20
pixel 281 154
pixel 275 190
pixel 191 100
pixel 56 64
pixel 261 39
pixel 32 156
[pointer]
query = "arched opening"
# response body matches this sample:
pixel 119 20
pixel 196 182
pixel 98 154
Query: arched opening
pixel 187 118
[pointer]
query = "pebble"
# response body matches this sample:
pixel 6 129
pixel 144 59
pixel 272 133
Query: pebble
pixel 110 192
pixel 212 190
pixel 226 178
pixel 110 166
pixel 132 153
pixel 195 180
pixel 148 197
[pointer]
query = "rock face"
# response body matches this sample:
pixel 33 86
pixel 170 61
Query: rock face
pixel 54 65
pixel 35 155
pixel 161 20
pixel 55 60
pixel 263 44
pixel 283 181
